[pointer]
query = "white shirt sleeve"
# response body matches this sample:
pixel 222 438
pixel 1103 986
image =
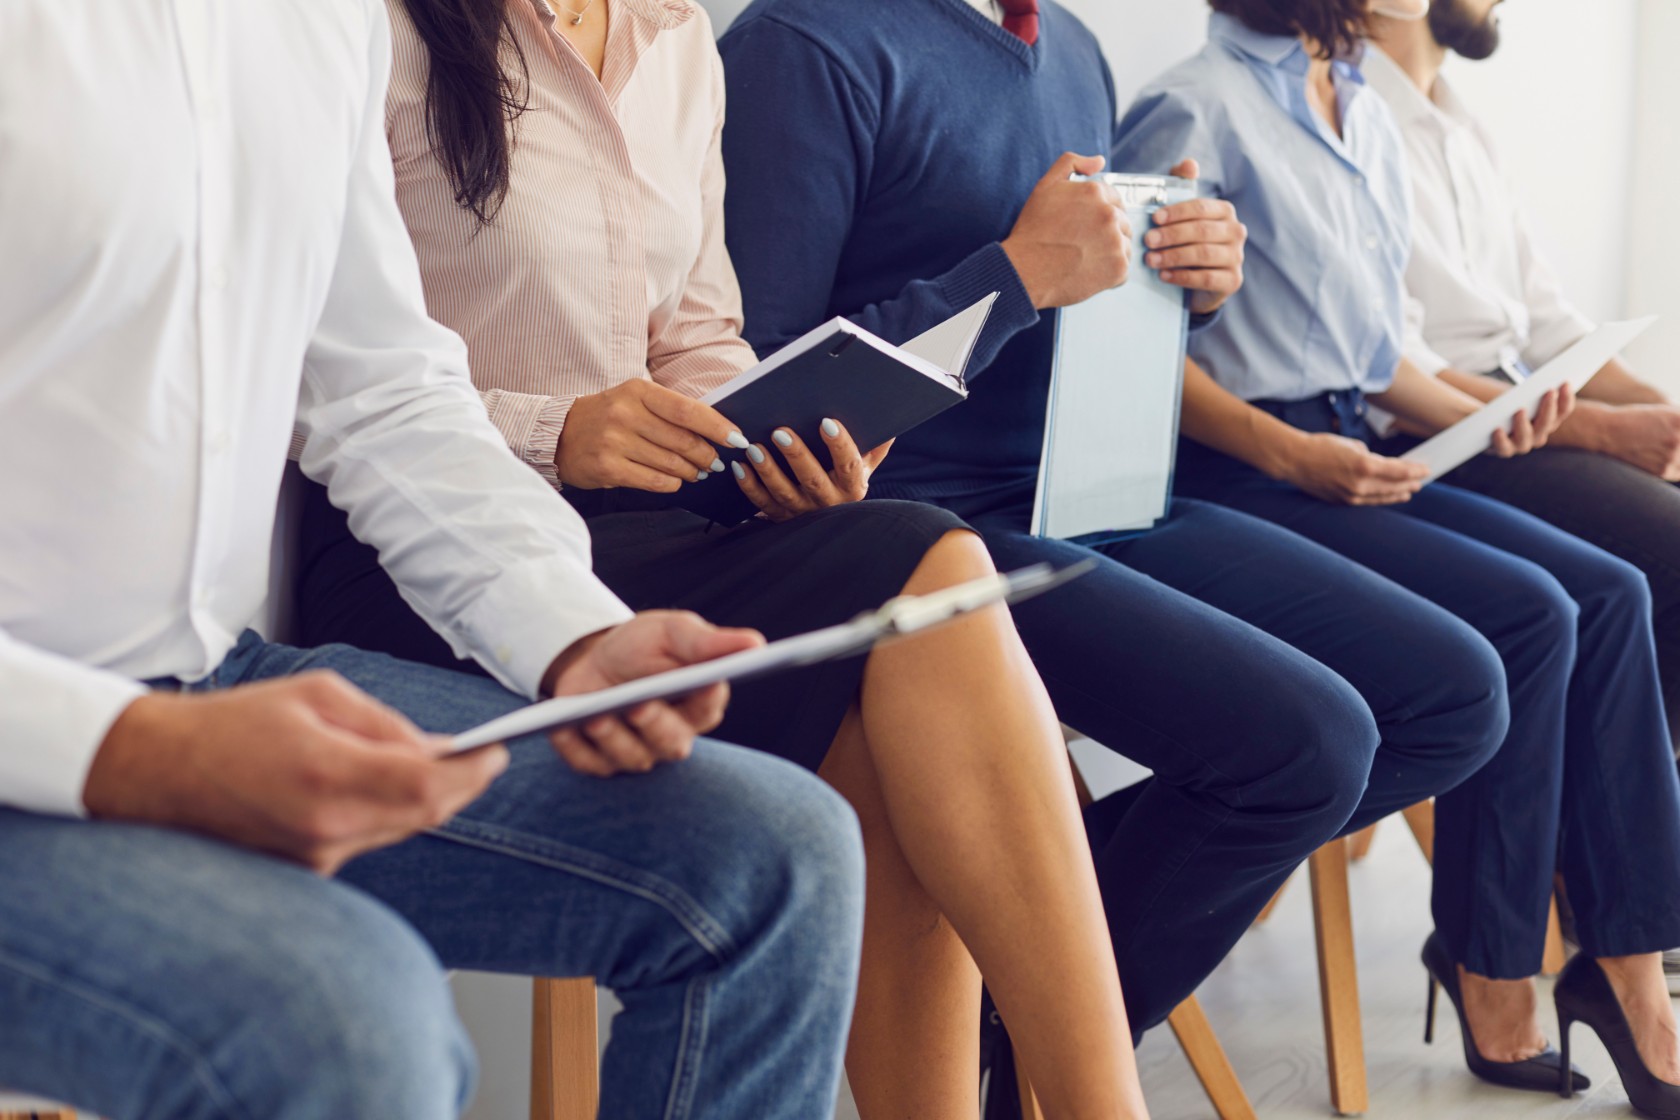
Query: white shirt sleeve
pixel 1555 324
pixel 55 713
pixel 478 544
pixel 1414 347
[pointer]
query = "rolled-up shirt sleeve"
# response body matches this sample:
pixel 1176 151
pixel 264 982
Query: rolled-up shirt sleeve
pixel 55 714
pixel 480 546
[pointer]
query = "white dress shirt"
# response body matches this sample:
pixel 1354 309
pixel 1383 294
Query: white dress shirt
pixel 989 9
pixel 198 243
pixel 1481 295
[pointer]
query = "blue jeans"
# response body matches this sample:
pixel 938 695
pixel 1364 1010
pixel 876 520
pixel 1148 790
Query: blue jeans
pixel 146 972
pixel 1585 784
pixel 1280 695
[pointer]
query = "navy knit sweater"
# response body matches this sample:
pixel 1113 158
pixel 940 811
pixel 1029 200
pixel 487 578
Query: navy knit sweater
pixel 877 152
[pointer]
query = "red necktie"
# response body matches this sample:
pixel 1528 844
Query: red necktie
pixel 1020 18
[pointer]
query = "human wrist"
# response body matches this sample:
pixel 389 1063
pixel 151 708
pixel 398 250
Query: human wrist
pixel 569 657
pixel 1025 261
pixel 1591 427
pixel 123 780
pixel 1280 450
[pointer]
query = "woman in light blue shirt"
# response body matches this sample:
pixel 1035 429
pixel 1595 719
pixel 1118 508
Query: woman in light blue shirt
pixel 1284 400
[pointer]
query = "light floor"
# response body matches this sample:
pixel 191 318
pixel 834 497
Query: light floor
pixel 1263 1001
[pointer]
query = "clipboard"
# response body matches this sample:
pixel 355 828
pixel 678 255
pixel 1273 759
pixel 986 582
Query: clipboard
pixel 1470 437
pixel 1111 423
pixel 900 617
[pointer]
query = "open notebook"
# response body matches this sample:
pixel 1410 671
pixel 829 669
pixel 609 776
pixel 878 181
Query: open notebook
pixel 839 370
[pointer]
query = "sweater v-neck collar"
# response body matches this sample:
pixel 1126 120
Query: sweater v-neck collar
pixel 1009 42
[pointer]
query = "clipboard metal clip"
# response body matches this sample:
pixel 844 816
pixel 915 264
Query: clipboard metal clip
pixel 909 613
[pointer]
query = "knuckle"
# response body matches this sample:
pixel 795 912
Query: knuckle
pixel 318 827
pixel 315 777
pixel 322 682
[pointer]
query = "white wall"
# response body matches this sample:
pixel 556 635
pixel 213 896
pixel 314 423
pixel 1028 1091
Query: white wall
pixel 1654 247
pixel 1559 96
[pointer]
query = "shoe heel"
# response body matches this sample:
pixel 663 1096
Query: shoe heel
pixel 1429 1012
pixel 1566 1081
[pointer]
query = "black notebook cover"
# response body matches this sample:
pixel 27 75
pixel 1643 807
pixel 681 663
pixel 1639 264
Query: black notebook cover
pixel 874 393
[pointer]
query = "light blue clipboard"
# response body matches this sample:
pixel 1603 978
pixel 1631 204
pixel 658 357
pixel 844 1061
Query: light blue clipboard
pixel 1111 428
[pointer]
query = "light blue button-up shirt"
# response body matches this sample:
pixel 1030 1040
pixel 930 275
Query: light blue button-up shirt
pixel 1329 218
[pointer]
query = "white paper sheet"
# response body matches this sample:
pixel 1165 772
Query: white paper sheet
pixel 1576 366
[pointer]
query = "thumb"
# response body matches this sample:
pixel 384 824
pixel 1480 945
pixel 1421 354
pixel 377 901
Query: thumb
pixel 694 639
pixel 1071 164
pixel 1186 169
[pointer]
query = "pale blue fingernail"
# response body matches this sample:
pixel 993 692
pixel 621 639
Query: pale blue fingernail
pixel 701 477
pixel 782 438
pixel 830 429
pixel 737 440
pixel 717 466
pixel 755 454
pixel 740 471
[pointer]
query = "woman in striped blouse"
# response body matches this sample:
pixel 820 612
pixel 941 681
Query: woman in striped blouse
pixel 561 177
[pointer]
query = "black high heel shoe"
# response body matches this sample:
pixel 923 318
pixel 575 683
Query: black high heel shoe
pixel 1545 1072
pixel 1583 995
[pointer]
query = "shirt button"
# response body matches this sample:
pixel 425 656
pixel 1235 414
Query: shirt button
pixel 1359 180
pixel 1372 243
pixel 217 443
pixel 216 278
pixel 504 654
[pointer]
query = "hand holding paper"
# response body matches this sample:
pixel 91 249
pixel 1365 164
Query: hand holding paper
pixel 1575 367
pixel 904 615
pixel 655 731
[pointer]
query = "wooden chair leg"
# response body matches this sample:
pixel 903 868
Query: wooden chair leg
pixel 1207 1058
pixel 1359 844
pixel 565 1050
pixel 1260 918
pixel 1338 979
pixel 1421 819
pixel 1556 956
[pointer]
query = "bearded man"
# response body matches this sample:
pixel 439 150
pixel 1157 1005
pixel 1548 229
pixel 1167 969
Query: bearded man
pixel 1486 308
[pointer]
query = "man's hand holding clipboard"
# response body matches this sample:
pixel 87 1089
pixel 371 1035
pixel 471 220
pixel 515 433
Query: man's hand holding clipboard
pixel 644 690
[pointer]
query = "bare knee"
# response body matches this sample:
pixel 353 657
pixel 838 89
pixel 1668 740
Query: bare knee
pixel 956 557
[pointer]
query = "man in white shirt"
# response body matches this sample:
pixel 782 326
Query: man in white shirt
pixel 198 242
pixel 1485 308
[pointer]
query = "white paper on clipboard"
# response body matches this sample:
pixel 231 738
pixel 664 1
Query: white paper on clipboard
pixel 903 616
pixel 1575 367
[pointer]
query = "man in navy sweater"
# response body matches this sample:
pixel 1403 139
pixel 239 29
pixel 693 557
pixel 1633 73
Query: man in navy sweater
pixel 887 162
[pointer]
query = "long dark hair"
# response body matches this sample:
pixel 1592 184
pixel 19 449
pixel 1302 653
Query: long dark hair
pixel 472 99
pixel 1337 26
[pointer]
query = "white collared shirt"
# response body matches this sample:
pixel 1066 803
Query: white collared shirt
pixel 989 9
pixel 1481 295
pixel 198 242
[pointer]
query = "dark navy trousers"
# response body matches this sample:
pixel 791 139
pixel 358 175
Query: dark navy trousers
pixel 1281 695
pixel 1585 784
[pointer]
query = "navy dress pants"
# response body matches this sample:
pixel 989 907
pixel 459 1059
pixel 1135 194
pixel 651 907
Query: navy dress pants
pixel 1585 784
pixel 1280 694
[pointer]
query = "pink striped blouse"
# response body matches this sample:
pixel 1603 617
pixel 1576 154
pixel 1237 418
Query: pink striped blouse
pixel 607 259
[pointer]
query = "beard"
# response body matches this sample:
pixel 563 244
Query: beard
pixel 1462 33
